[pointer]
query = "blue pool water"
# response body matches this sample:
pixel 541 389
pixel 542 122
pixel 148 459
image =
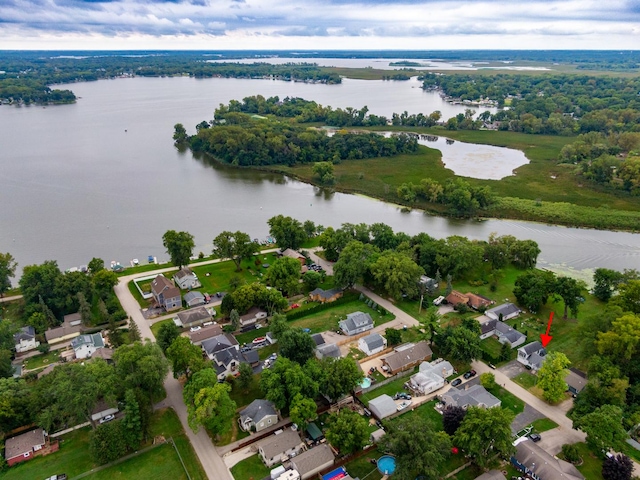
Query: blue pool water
pixel 366 383
pixel 387 464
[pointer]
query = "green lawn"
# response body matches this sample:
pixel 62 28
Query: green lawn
pixel 389 389
pixel 251 468
pixel 526 380
pixel 591 467
pixel 425 411
pixel 155 328
pixel 42 361
pixel 220 274
pixel 362 467
pixel 509 400
pixel 492 346
pixel 244 397
pixel 543 424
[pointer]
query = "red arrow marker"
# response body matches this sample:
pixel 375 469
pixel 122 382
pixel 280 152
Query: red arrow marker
pixel 545 337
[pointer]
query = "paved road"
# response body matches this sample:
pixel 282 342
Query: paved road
pixel 10 299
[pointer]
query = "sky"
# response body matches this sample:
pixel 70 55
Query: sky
pixel 319 24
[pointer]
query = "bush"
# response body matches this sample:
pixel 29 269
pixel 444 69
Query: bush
pixel 488 380
pixel 461 308
pixel 106 443
pixel 571 453
pixel 44 348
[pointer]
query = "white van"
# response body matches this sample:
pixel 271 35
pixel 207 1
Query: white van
pixel 438 300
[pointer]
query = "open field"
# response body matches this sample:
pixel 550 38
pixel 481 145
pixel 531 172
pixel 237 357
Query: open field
pixel 425 411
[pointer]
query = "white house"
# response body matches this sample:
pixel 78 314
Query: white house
pixel 279 447
pixel 503 312
pixel 85 345
pixel 372 344
pixel 423 383
pixel 185 279
pixel 25 339
pixel 532 355
pixel 508 335
pixel 383 406
pixel 475 396
pixel 356 322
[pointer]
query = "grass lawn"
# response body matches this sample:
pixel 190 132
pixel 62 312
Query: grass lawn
pixel 543 424
pixel 591 467
pixel 492 346
pixel 390 389
pixel 469 473
pixel 136 294
pixel 220 274
pixel 362 467
pixel 161 463
pixel 244 397
pixel 251 468
pixel 233 434
pixel 155 328
pixel 453 462
pixel 425 411
pixel 42 361
pixel 73 459
pixel 509 400
pixel 526 380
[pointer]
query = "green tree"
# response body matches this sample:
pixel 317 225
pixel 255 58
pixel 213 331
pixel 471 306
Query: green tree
pixel 606 282
pixel 312 279
pixel 302 411
pixel 571 453
pixel 310 228
pixel 397 274
pixel 505 352
pixel 284 274
pixel 6 367
pixel 323 173
pixel 95 265
pixel 485 432
pixel 288 232
pixel 104 281
pixel 141 366
pixel 185 357
pixel 352 263
pixel 85 309
pixel 430 321
pixel 347 431
pixel 551 376
pixel 15 404
pixel 393 336
pixel 7 272
pixel 39 282
pixel 167 333
pixel 106 443
pixel 134 331
pixel 236 246
pixel 179 246
pixel 462 344
pixel 234 319
pixel 342 375
pixel 524 253
pixel 628 297
pixel 213 409
pixel 417 447
pixel 603 427
pixel 245 377
pixel 488 380
pixel 278 325
pixel 284 380
pixel 622 340
pixel 296 345
pixel 179 133
pixel 532 289
pixel 570 291
pixel 452 419
pixel 132 422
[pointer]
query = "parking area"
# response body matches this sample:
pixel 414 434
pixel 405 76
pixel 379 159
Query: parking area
pixel 526 418
pixel 512 369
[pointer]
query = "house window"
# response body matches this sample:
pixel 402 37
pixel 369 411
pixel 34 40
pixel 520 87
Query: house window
pixel 26 454
pixel 37 447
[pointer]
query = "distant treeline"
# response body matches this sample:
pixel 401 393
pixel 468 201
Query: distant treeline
pixel 549 104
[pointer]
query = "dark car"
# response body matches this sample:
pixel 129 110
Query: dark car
pixel 456 382
pixel 469 374
pixel 535 437
pixel 402 396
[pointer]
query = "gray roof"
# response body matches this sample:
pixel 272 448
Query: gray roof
pixel 313 459
pixel 328 350
pixel 226 356
pixel 183 273
pixel 408 356
pixel 356 320
pixel 326 294
pixel 257 410
pixel 487 327
pixel 533 347
pixel 504 309
pixel 66 328
pixel 492 475
pixel 374 341
pixel 536 360
pixel 219 343
pixel 318 338
pixel 474 396
pixel 278 444
pixel 509 333
pixel 190 296
pixel 251 356
pixel 543 464
pixel 205 332
pixel 23 443
pixel 193 315
pixel 25 333
pixel 96 340
pixel 576 379
pixel 383 406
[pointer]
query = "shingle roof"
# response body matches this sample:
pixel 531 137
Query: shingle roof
pixel 576 379
pixel 543 464
pixel 205 332
pixel 257 410
pixel 356 320
pixel 65 329
pixel 318 338
pixel 477 301
pixel 25 333
pixel 312 459
pixel 159 284
pixel 492 475
pixel 487 327
pixel 475 396
pixel 193 315
pixel 504 309
pixel 326 294
pixel 189 296
pixel 251 356
pixel 373 341
pixel 402 358
pixel 21 444
pixel 509 333
pixel 531 347
pixel 218 343
pixel 278 444
pixel 456 297
pixel 104 353
pixel 328 350
pixel 183 273
pixel 383 406
pixel 96 340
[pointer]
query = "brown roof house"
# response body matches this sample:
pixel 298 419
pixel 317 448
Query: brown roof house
pixel 407 356
pixel 166 294
pixel 254 315
pixel 192 317
pixel 308 463
pixel 325 296
pixel 205 333
pixel 455 297
pixel 27 445
pixel 70 328
pixel 470 299
pixel 279 447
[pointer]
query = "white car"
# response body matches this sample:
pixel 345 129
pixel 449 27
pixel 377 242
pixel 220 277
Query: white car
pixel 195 329
pixel 107 418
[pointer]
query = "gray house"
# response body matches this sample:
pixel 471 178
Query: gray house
pixel 372 343
pixel 186 279
pixel 193 317
pixel 474 396
pixel 225 353
pixel 383 406
pixel 194 299
pixel 508 335
pixel 279 447
pixel 166 294
pixel 258 415
pixel 532 355
pixel 308 463
pixel 532 460
pixel 503 312
pixel 356 322
pixel 576 381
pixel 327 350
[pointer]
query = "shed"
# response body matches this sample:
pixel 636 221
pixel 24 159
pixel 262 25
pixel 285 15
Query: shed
pixel 314 432
pixel 376 435
pixel 194 299
pixel 383 406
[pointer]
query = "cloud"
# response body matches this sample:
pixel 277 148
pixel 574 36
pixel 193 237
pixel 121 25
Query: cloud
pixel 231 21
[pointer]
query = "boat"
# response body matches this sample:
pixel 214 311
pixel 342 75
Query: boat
pixel 259 340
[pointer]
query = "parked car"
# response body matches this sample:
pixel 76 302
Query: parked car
pixel 273 357
pixel 469 374
pixel 207 297
pixel 402 395
pixel 456 382
pixel 195 329
pixel 60 476
pixel 535 437
pixel 107 418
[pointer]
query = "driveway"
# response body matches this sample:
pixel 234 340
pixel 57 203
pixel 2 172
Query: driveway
pixel 512 369
pixel 526 418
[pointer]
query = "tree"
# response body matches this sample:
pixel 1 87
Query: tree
pixel 297 345
pixel 167 333
pixel 462 344
pixel 617 467
pixel 551 376
pixel 104 281
pixel 488 380
pixel 393 336
pixel 284 380
pixel 302 411
pixel 288 232
pixel 397 274
pixel 430 321
pixel 284 274
pixel 234 319
pixel 7 271
pixel 245 377
pixel 570 290
pixel 95 265
pixel 347 431
pixel 185 357
pixel 452 419
pixel 106 443
pixel 213 409
pixel 417 447
pixel 505 352
pixel 39 282
pixel 352 263
pixel 485 432
pixel 236 246
pixel 532 289
pixel 323 172
pixel 6 367
pixel 606 282
pixel 132 422
pixel 84 309
pixel 179 246
pixel 141 366
pixel 622 340
pixel 525 253
pixel 603 427
pixel 310 228
pixel 342 375
pixel 628 296
pixel 312 279
pixel 15 404
pixel 278 325
pixel 571 453
pixel 134 331
pixel 179 133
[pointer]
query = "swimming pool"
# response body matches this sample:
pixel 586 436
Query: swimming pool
pixel 366 382
pixel 387 464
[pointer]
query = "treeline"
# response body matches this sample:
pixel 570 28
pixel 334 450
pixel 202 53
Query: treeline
pixel 550 104
pixel 28 91
pixel 244 141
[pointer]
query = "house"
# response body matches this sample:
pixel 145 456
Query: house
pixel 372 343
pixel 251 357
pixel 407 356
pixel 295 255
pixel 532 460
pixel 383 406
pixel 532 355
pixel 193 317
pixel 308 463
pixel 376 435
pixel 356 322
pixel 258 415
pixel 281 473
pixel 279 447
pixel 576 381
pixel 253 316
pixel 503 312
pixel 327 350
pixel 25 339
pixel 474 396
pixel 101 410
pixel 509 335
pixel 455 298
pixel 85 345
pixel 428 283
pixel 478 301
pixel 423 383
pixel 166 294
pixel 27 445
pixel 70 328
pixel 186 279
pixel 314 433
pixel 225 353
pixel 492 475
pixel 325 296
pixel 487 328
pixel 194 299
pixel 204 333
pixel 439 366
pixel 104 353
pixel 318 339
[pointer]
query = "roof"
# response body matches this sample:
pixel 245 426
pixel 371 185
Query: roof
pixel 456 297
pixel 504 309
pixel 183 273
pixel 318 338
pixel 293 254
pixel 328 350
pixel 219 343
pixel 487 327
pixel 383 406
pixel 427 380
pixel 356 320
pixel 257 410
pixel 492 475
pixel 104 353
pixel 442 368
pixel 189 296
pixel 509 333
pixel 205 332
pixel 193 315
pixel 408 356
pixel 251 356
pixel 576 379
pixel 476 396
pixel 326 294
pixel 254 312
pixel 312 459
pixel 543 464
pixel 373 341
pixel 536 360
pixel 532 347
pixel 226 356
pixel 160 284
pixel 23 443
pixel 280 443
pixel 95 340
pixel 25 333
pixel 314 432
pixel 68 327
pixel 477 301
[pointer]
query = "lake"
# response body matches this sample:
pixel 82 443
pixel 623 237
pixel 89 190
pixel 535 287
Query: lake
pixel 102 178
